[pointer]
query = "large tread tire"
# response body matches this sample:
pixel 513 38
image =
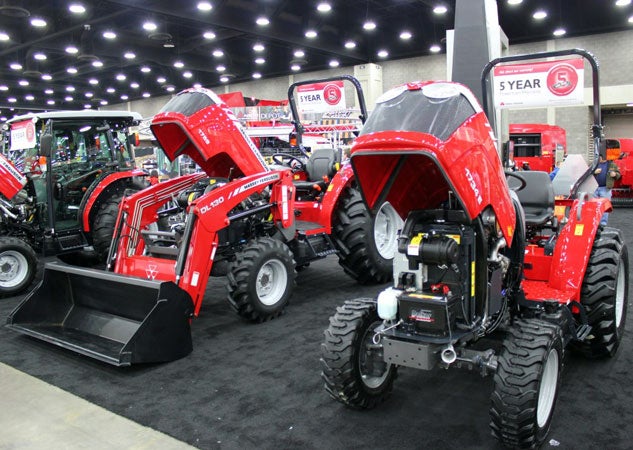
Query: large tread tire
pixel 350 359
pixel 353 234
pixel 526 383
pixel 103 226
pixel 604 294
pixel 19 266
pixel 261 279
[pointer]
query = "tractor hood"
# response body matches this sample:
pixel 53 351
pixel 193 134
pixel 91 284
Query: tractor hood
pixel 197 123
pixel 426 141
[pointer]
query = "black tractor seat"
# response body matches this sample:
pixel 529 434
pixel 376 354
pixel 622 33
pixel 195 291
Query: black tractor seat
pixel 320 165
pixel 536 198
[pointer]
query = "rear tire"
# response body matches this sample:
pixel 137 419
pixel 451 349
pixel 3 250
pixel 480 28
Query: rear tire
pixel 366 244
pixel 353 367
pixel 103 226
pixel 261 279
pixel 18 266
pixel 604 294
pixel 526 383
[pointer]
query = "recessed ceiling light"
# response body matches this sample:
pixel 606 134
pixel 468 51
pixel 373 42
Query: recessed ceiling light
pixel 72 49
pixel 15 66
pixel 29 97
pixel 89 94
pixel 161 79
pixel 299 53
pixel 369 25
pixel 103 102
pixel 540 14
pixel 260 61
pixel 71 70
pixel 435 48
pixel 514 2
pixel 220 68
pixel 129 55
pixel 262 21
pixel 218 53
pixel 109 34
pixel 209 35
pixel 4 36
pixel 87 106
pixel 149 26
pixel 334 63
pixel 94 81
pixel 124 97
pixel 631 19
pixel 146 69
pixel 310 34
pixel 46 77
pixel 324 7
pixel 170 88
pixel 257 75
pixel 205 6
pixel 146 94
pixel 382 53
pixel 121 77
pixel 70 88
pixel 50 102
pixel 110 90
pixel 187 74
pixel 197 85
pixel 350 44
pixel 559 32
pixel 12 99
pixel 440 9
pixel 295 67
pixel 405 35
pixel 622 2
pixel 38 22
pixel 48 92
pixel 4 87
pixel 134 85
pixel 97 63
pixel 224 79
pixel 258 47
pixel 68 98
pixel 39 56
pixel 179 64
pixel 76 8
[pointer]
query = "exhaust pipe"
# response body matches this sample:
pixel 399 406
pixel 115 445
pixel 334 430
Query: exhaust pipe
pixel 448 355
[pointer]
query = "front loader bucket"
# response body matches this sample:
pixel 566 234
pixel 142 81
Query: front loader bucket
pixel 113 318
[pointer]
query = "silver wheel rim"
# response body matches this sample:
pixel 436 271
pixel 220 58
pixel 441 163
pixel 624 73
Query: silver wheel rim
pixel 271 282
pixel 619 296
pixel 386 226
pixel 547 390
pixel 13 268
pixel 370 360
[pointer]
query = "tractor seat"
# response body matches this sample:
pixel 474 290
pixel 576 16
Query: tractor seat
pixel 537 198
pixel 322 162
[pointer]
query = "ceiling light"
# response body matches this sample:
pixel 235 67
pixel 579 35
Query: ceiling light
pixel 257 75
pixel 631 19
pixel 224 79
pixel 149 26
pixel 311 34
pixel 540 14
pixel 187 74
pixel 258 47
pixel 87 106
pixel 622 2
pixel 89 94
pixel 405 35
pixel 334 63
pixel 197 85
pixel 383 53
pixel 71 70
pixel 169 44
pixel 46 77
pixel 68 98
pixel 435 48
pixel 4 36
pixel 179 64
pixel 209 35
pixel 15 66
pixel 97 64
pixel 4 87
pixel 129 55
pixel 295 67
pixel 76 8
pixel 110 90
pixel 94 81
pixel 299 53
pixel 146 69
pixel 72 49
pixel 218 53
pixel 440 9
pixel 220 68
pixel 48 91
pixel 39 56
pixel 29 97
pixel 109 34
pixel 38 22
pixel 170 88
pixel 559 32
pixel 103 102
pixel 50 102
pixel 369 25
pixel 350 44
pixel 514 2
pixel 12 99
pixel 161 79
pixel 262 21
pixel 70 88
pixel 324 7
pixel 260 61
pixel 146 94
pixel 134 85
pixel 121 77
pixel 124 97
pixel 205 6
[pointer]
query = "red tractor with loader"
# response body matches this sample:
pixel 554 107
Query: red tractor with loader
pixel 238 217
pixel 486 277
pixel 63 200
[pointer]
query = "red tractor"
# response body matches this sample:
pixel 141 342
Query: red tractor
pixel 481 255
pixel 236 218
pixel 621 152
pixel 538 146
pixel 62 202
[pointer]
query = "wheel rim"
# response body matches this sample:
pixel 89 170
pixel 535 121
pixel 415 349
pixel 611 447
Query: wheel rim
pixel 547 390
pixel 371 365
pixel 13 268
pixel 619 296
pixel 271 282
pixel 386 225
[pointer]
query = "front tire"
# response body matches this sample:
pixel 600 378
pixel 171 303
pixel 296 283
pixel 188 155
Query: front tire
pixel 261 279
pixel 353 367
pixel 18 266
pixel 526 383
pixel 604 294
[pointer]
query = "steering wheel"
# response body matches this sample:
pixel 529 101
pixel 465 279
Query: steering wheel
pixel 522 182
pixel 286 159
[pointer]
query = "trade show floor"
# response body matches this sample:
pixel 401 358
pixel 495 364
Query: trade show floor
pixel 249 386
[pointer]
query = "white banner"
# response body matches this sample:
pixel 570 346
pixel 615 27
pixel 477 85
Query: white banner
pixel 551 83
pixel 22 135
pixel 321 97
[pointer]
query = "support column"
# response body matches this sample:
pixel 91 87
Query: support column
pixel 370 77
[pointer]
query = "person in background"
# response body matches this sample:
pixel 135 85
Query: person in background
pixel 553 173
pixel 605 174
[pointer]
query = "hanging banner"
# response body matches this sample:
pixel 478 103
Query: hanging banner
pixel 22 135
pixel 550 83
pixel 321 97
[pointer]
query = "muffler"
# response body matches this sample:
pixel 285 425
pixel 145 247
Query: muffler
pixel 114 318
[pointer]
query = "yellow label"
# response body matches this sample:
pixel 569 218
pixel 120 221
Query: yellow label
pixel 296 177
pixel 413 248
pixel 579 229
pixel 423 296
pixel 330 187
pixel 510 230
pixel 472 279
pixel 456 237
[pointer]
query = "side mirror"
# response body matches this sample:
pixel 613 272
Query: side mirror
pixel 46 144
